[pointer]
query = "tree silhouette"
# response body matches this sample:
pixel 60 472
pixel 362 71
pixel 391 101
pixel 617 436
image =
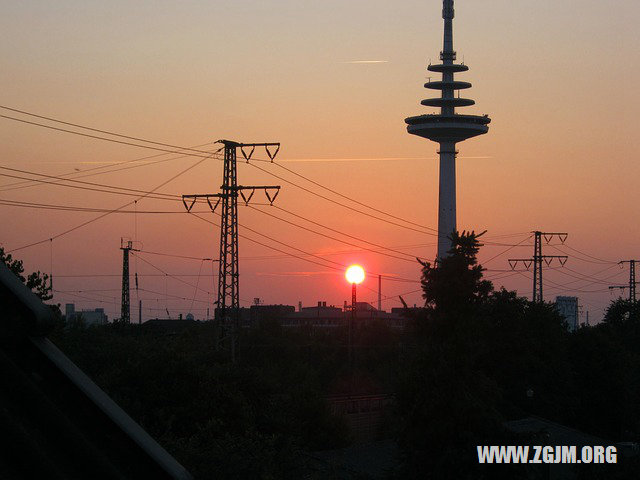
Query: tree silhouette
pixel 621 311
pixel 455 282
pixel 36 281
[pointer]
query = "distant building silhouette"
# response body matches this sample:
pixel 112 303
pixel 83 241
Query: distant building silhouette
pixel 259 312
pixel 568 308
pixel 331 316
pixel 89 317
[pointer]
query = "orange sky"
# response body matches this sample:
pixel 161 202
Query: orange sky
pixel 557 78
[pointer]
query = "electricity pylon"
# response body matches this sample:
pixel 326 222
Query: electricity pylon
pixel 227 313
pixel 632 280
pixel 538 258
pixel 125 310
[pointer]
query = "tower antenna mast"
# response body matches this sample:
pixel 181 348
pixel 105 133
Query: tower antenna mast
pixel 447 127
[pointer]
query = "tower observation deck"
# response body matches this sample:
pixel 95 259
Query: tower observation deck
pixel 447 127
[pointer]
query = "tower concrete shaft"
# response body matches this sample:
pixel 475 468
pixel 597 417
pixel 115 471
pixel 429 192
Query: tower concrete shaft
pixel 446 197
pixel 447 127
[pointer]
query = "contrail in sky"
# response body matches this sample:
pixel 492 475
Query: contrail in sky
pixel 367 61
pixel 378 159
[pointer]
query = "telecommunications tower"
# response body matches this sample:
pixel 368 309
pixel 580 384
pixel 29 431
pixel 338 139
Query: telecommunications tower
pixel 447 127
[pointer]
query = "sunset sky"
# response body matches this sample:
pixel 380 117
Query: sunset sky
pixel 332 81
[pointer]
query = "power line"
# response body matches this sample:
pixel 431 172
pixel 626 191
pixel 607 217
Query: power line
pixel 598 260
pixel 125 190
pixel 413 257
pixel 511 247
pixel 562 288
pixel 47 206
pixel 632 280
pixel 69 208
pixel 189 149
pixel 172 296
pixel 410 259
pixel 352 199
pixel 172 276
pixel 87 172
pixel 208 154
pixel 228 303
pixel 337 266
pixel 538 259
pixel 107 213
pixel 433 231
pixel 96 137
pixel 104 275
pixel 593 278
pixel 341 204
pixel 176 256
pixel 92 130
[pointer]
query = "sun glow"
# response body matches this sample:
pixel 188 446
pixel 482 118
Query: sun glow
pixel 354 274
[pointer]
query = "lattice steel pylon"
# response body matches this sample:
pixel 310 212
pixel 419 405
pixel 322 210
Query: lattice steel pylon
pixel 632 280
pixel 125 309
pixel 227 313
pixel 228 272
pixel 538 258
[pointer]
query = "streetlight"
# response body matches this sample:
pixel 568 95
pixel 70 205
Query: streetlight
pixel 354 275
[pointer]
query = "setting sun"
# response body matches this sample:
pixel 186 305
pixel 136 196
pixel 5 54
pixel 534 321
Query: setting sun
pixel 354 274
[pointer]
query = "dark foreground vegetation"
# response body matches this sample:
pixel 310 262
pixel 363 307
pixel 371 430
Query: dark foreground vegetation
pixel 471 360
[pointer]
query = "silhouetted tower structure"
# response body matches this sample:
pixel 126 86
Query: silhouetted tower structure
pixel 227 312
pixel 632 280
pixel 125 309
pixel 539 258
pixel 447 127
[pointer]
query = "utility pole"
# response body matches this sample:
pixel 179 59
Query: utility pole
pixel 632 279
pixel 539 258
pixel 125 311
pixel 227 313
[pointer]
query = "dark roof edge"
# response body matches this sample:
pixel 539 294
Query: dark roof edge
pixel 111 409
pixel 42 317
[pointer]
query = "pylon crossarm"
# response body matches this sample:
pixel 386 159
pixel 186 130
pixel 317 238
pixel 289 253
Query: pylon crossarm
pixel 548 236
pixel 246 199
pixel 193 202
pixel 513 262
pixel 561 258
pixel 275 195
pixel 272 156
pixel 244 154
pixel 267 188
pixel 213 207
